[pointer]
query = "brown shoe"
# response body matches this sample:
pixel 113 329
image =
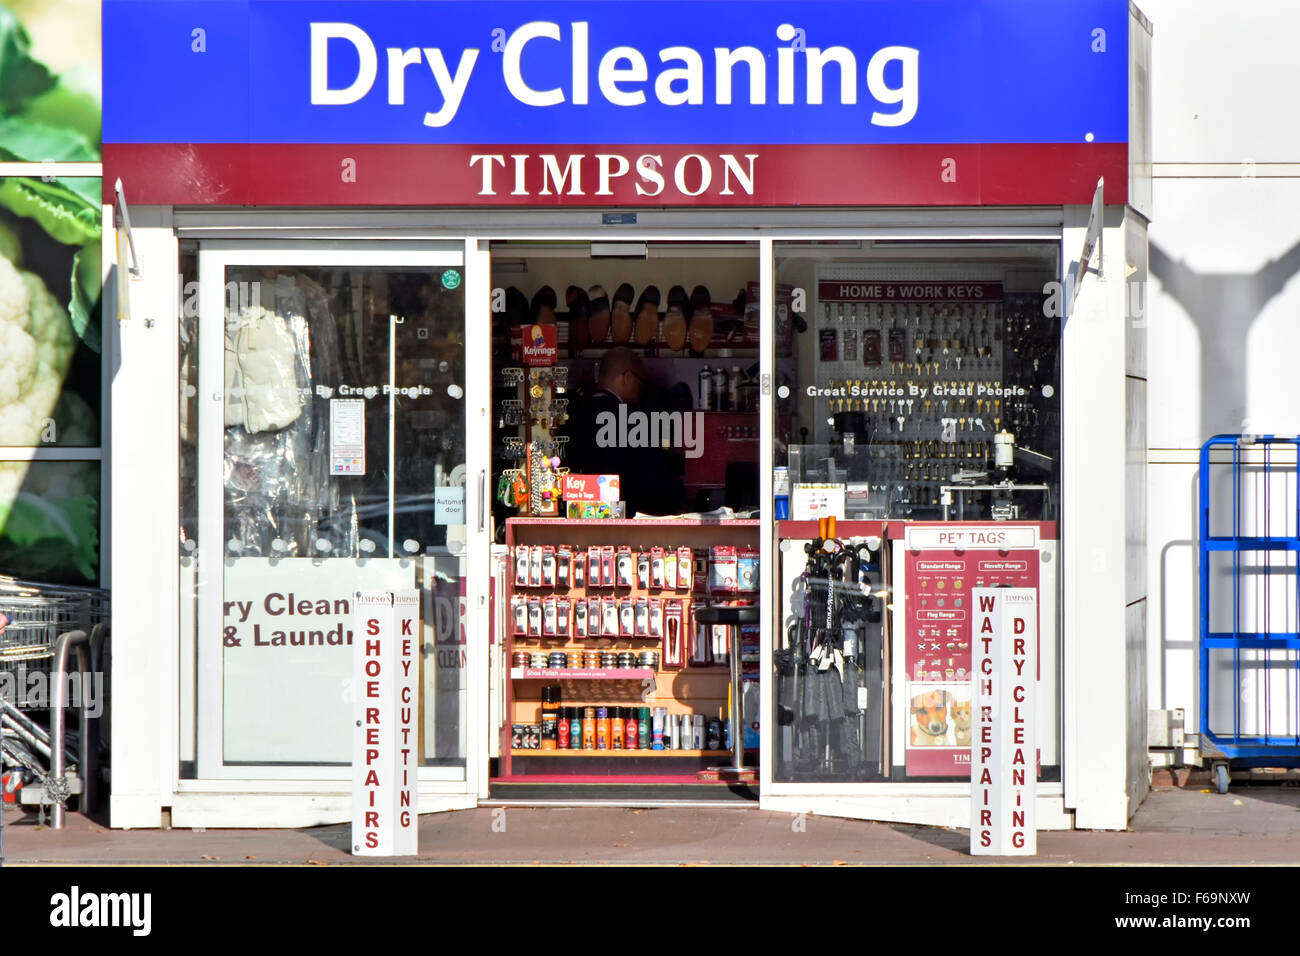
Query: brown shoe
pixel 579 335
pixel 621 313
pixel 542 311
pixel 701 327
pixel 675 318
pixel 646 327
pixel 516 313
pixel 598 317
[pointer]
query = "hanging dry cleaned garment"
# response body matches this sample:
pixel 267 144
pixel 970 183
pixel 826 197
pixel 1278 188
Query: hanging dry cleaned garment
pixel 261 382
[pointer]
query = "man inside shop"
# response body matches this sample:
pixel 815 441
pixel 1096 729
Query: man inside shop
pixel 650 477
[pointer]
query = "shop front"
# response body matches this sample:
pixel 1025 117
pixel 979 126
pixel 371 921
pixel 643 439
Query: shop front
pixel 599 324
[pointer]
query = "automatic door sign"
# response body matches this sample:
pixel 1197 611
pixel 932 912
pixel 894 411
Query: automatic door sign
pixel 1004 763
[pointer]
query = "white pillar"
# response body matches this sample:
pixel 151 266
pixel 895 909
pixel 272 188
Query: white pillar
pixel 145 515
pixel 1103 517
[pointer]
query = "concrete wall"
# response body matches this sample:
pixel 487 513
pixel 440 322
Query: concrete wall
pixel 1224 303
pixel 1136 778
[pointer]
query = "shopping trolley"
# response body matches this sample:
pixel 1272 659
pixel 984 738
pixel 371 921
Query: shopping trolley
pixel 1250 605
pixel 36 615
pixel 40 623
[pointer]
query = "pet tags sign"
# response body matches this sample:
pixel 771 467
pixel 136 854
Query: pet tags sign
pixel 1004 758
pixel 386 669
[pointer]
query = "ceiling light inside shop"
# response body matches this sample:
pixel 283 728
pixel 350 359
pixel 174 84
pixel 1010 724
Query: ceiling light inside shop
pixel 618 250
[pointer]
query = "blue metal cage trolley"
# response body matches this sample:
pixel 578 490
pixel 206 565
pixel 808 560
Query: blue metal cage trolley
pixel 1255 722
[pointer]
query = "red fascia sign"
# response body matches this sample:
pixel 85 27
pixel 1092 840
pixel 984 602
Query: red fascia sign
pixel 385 738
pixel 397 174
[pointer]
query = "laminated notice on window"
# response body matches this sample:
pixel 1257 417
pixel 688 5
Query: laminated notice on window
pixel 449 505
pixel 347 436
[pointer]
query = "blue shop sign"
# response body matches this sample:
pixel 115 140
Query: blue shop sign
pixel 887 72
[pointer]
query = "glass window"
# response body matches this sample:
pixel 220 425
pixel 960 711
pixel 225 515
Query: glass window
pixel 50 336
pixel 908 366
pixel 50 333
pixel 915 382
pixel 341 468
pixel 49 521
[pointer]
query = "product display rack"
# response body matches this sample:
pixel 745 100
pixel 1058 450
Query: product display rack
pixel 689 688
pixel 528 269
pixel 717 755
pixel 924 382
pixel 924 585
pixel 581 673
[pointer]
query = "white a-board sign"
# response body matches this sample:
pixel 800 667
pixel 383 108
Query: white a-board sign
pixel 1004 754
pixel 386 625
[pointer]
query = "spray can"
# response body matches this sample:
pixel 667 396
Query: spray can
pixel 733 389
pixel 562 737
pixel 715 734
pixel 602 728
pixel 616 727
pixel 643 728
pixel 704 402
pixel 719 389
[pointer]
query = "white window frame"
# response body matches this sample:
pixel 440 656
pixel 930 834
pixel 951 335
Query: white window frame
pixel 918 802
pixel 214 257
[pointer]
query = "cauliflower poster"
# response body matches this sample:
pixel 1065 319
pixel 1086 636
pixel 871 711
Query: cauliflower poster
pixel 50 333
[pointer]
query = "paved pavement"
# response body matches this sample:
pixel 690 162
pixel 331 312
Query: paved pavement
pixel 1188 825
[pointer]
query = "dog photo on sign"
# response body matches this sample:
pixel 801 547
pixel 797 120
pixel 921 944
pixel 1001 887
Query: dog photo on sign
pixel 940 716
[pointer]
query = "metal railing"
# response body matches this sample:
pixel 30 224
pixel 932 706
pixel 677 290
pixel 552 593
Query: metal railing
pixel 88 756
